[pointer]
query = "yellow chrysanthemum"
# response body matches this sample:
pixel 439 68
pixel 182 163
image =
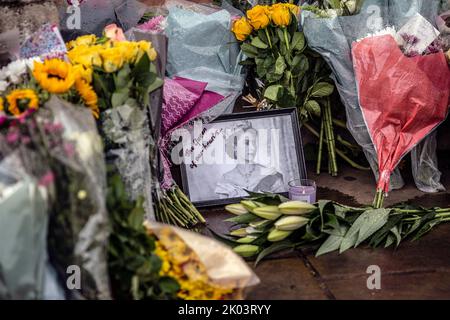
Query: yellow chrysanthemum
pixel 182 264
pixel 88 95
pixel 22 99
pixel 54 75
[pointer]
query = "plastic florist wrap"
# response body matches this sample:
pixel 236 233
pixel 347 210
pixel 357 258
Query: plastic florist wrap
pixel 332 37
pixel 60 151
pixel 204 268
pixel 403 99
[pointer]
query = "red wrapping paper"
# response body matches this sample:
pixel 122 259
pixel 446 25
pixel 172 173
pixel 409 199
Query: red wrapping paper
pixel 403 99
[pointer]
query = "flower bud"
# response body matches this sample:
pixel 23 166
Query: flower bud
pixel 261 224
pixel 236 209
pixel 247 239
pixel 278 235
pixel 239 232
pixel 249 205
pixel 296 208
pixel 291 223
pixel 268 212
pixel 246 250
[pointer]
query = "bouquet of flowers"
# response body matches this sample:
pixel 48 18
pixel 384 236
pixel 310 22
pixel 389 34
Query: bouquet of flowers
pixel 68 170
pixel 291 75
pixel 267 223
pixel 332 38
pixel 164 262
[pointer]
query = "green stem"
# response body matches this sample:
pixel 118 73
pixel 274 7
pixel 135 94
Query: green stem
pixel 338 152
pixel 319 156
pixel 286 39
pixel 334 168
pixel 268 38
pixel 379 199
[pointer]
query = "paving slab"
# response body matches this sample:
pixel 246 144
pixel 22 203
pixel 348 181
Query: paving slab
pixel 286 279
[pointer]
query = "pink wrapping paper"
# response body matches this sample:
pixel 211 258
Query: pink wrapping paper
pixel 184 100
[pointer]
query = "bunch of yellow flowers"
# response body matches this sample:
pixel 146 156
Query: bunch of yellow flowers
pixel 59 77
pixel 110 56
pixel 260 16
pixel 182 264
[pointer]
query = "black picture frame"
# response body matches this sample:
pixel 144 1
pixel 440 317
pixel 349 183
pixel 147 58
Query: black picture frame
pixel 292 112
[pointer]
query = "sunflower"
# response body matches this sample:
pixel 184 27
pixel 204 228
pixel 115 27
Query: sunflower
pixel 54 75
pixel 22 99
pixel 88 95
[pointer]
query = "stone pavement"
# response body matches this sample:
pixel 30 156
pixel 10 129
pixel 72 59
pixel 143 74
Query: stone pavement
pixel 416 270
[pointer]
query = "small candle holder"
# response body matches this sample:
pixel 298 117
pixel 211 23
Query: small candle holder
pixel 303 190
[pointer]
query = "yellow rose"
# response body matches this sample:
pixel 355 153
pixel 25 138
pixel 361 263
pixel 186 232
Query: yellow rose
pixel 293 8
pixel 242 29
pixel 83 72
pixel 130 50
pixel 87 56
pixel 280 15
pixel 112 59
pixel 86 40
pixel 258 16
pixel 146 47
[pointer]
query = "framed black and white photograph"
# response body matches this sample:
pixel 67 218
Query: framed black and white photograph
pixel 255 151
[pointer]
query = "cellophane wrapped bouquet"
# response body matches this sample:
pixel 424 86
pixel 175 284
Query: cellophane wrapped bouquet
pixel 331 33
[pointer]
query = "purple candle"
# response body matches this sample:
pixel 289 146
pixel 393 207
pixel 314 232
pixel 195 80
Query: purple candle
pixel 302 190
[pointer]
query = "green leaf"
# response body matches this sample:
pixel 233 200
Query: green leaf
pixel 276 247
pixel 322 89
pixel 158 83
pixel 363 227
pixel 136 218
pixel 298 41
pixel 122 78
pixel 249 50
pixel 258 43
pixel 372 221
pixel 168 285
pixel 280 65
pixel 272 93
pixel 397 235
pixel 313 107
pixel 119 97
pixel 333 242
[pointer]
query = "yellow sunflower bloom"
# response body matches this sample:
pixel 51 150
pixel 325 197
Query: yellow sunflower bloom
pixel 55 75
pixel 88 95
pixel 22 99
